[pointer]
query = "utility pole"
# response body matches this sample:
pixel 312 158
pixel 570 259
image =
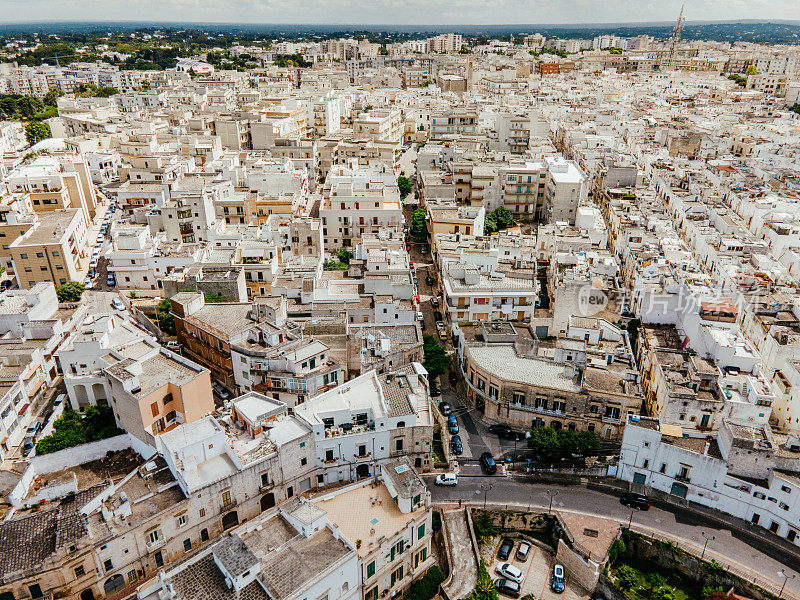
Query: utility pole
pixel 708 539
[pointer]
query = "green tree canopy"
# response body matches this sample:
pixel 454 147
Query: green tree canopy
pixel 418 226
pixel 70 291
pixel 405 186
pixel 484 588
pixel 435 361
pixel 553 444
pixel 164 316
pixel 36 131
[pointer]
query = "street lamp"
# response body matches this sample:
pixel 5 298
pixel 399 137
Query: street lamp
pixel 552 494
pixel 708 539
pixel 486 489
pixel 630 520
pixel 786 578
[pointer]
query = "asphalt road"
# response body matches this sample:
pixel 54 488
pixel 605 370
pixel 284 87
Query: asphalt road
pixel 725 549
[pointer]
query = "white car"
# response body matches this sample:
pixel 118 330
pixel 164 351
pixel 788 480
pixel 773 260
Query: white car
pixel 446 479
pixel 173 345
pixel 87 283
pixel 117 304
pixel 509 571
pixel 420 316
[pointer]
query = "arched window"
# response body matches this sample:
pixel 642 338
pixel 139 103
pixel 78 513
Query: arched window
pixel 114 583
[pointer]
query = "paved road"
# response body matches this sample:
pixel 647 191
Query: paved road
pixel 725 549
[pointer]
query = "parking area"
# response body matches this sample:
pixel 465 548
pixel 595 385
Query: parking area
pixel 537 570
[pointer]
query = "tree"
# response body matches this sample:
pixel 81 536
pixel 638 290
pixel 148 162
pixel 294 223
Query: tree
pixel 426 586
pixel 70 291
pixel 164 316
pixel 405 186
pixel 484 587
pixel 751 70
pixel 383 51
pixel 489 224
pixel 436 361
pixel 554 444
pixel 418 224
pixel 344 256
pixel 503 217
pixel 51 97
pixel 36 131
pixel 99 423
pixel 628 578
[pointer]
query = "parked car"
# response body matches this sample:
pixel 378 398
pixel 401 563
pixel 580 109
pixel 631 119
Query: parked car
pixel 420 316
pixel 446 479
pixel 504 431
pixel 455 445
pixel 637 501
pixel 111 279
pixel 445 409
pixel 523 550
pixel 558 582
pixel 509 571
pixel 27 446
pixel 87 283
pixel 452 425
pixel 505 549
pixel 117 304
pixel 507 587
pixel 173 345
pixel 434 302
pixel 32 429
pixel 487 462
pixel 6 285
pixel 430 280
pixel 437 316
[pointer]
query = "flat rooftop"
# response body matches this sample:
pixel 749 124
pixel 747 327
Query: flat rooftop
pixel 377 516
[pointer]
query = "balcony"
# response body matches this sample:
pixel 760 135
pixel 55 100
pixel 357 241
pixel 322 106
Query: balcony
pixel 609 419
pixel 231 504
pixel 338 431
pixel 683 478
pixel 265 487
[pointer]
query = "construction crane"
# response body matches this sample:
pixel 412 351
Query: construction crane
pixel 676 37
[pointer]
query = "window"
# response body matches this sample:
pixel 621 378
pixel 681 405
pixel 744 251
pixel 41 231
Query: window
pixel 108 565
pixel 396 576
pixel 303 462
pixel 519 398
pixel 493 392
pixel 181 521
pixel 39 255
pixel 36 591
pixel 153 536
pixel 202 512
pixel 226 497
pixel 372 594
pixel 786 488
pixel 328 455
pixel 646 463
pixel 663 468
pixel 540 403
pixel 187 544
pixel 481 385
pixel 421 531
pixel 399 445
pixel 80 571
pixel 159 559
pixel 416 500
pixel 371 569
pixel 154 409
pixel 132 576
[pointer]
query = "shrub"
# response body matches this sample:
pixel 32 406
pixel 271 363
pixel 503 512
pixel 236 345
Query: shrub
pixel 628 578
pixel 427 586
pixel 70 291
pixel 484 527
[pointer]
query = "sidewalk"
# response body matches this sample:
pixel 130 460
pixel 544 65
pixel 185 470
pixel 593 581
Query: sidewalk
pixel 463 566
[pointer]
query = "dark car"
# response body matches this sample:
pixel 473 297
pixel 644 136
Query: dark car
pixel 504 431
pixel 445 409
pixel 430 280
pixel 452 377
pixel 5 285
pixel 507 587
pixel 488 463
pixel 27 446
pixel 505 549
pixel 452 425
pixel 437 315
pixel 637 501
pixel 455 445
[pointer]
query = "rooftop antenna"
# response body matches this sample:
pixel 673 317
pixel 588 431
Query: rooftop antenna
pixel 676 36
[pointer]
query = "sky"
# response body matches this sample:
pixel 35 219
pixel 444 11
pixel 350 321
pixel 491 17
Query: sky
pixel 404 12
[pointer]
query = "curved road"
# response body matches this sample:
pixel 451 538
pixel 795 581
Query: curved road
pixel 725 549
